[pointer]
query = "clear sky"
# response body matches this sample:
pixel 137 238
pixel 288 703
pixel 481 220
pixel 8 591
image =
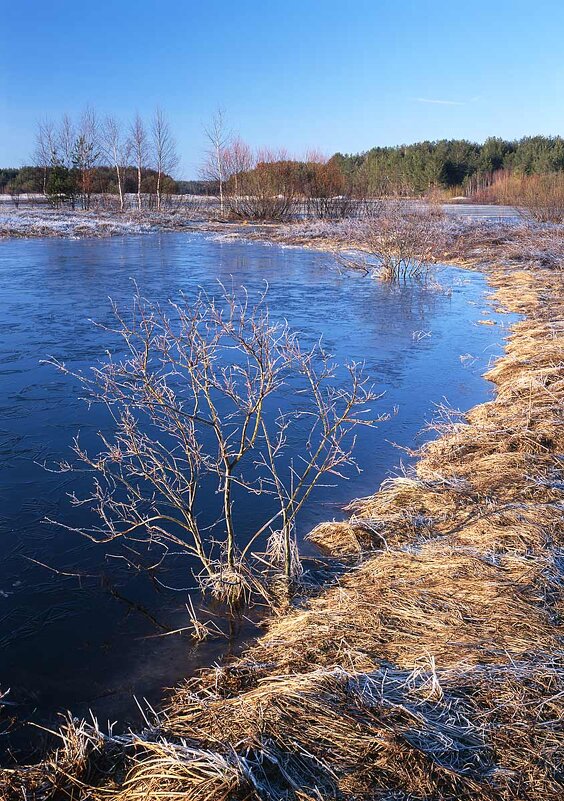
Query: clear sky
pixel 329 74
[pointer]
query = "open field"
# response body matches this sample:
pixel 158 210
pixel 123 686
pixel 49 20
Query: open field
pixel 432 669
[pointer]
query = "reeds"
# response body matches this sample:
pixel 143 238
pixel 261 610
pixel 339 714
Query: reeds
pixel 539 196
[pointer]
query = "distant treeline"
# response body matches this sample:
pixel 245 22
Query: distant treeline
pixel 408 169
pixel 76 161
pixel 196 187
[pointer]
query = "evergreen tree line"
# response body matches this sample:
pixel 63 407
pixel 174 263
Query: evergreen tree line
pixel 448 163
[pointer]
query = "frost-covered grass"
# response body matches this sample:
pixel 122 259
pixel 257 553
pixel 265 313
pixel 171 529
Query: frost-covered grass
pixel 63 223
pixel 458 238
pixel 47 222
pixel 356 230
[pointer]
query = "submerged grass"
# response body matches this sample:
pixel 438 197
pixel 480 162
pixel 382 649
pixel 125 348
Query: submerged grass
pixel 433 668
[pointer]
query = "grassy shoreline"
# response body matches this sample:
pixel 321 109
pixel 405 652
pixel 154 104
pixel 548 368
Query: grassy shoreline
pixel 433 668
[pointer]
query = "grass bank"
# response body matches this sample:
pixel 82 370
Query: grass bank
pixel 433 668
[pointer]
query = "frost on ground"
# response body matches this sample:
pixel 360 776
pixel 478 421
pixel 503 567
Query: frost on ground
pixel 355 230
pixel 49 222
pixel 522 240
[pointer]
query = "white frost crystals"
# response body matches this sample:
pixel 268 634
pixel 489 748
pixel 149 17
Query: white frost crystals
pixel 48 222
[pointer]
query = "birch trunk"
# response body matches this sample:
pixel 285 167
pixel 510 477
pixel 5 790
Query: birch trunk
pixel 139 187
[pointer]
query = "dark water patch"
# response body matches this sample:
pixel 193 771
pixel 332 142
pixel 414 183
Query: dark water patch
pixel 94 642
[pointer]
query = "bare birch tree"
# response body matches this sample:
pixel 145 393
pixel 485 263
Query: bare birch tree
pixel 66 141
pixel 195 402
pixel 86 153
pixel 116 149
pixel 45 147
pixel 139 148
pixel 164 151
pixel 215 163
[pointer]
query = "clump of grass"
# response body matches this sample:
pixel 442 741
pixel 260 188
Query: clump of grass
pixel 229 586
pixel 168 771
pixel 346 538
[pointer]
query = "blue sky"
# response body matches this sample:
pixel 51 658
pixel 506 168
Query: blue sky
pixel 317 73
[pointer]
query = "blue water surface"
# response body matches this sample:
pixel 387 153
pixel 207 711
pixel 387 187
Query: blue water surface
pixel 91 643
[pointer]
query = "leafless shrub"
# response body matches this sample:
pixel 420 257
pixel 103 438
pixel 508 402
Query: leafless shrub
pixel 238 160
pixel 325 190
pixel 268 190
pixel 400 239
pixel 194 401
